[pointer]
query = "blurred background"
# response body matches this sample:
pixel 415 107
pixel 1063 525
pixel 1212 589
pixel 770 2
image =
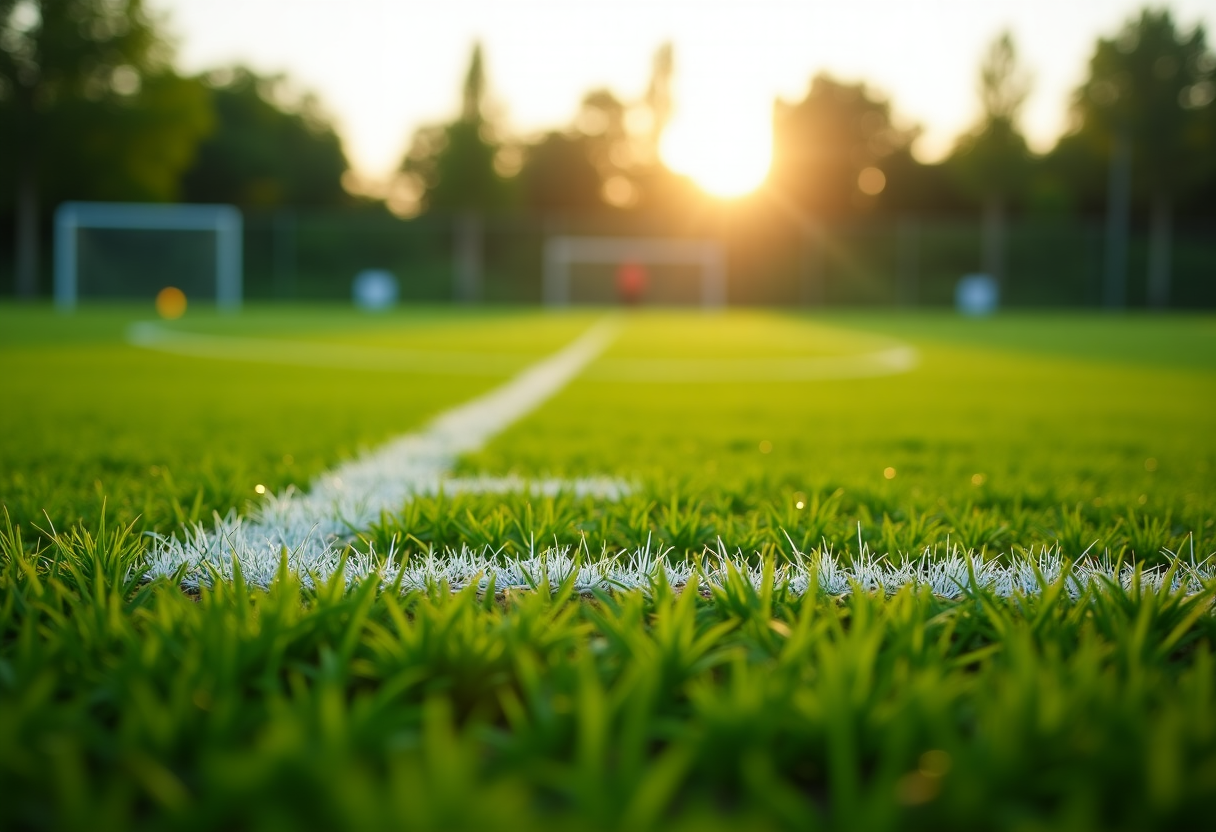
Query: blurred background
pixel 1067 153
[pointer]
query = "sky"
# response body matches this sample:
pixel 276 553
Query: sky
pixel 383 68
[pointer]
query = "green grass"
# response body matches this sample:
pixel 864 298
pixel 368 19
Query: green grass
pixel 169 440
pixel 131 704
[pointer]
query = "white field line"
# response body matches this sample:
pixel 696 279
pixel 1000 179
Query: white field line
pixel 885 362
pixel 890 360
pixel 951 573
pixel 314 527
pixel 153 336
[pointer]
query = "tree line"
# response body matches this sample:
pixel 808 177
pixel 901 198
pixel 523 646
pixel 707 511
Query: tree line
pixel 91 107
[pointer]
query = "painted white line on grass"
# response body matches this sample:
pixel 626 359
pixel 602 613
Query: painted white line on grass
pixel 151 335
pixel 311 528
pixel 891 360
pixel 949 573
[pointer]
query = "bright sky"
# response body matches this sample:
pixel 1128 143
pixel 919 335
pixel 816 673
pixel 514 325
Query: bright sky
pixel 384 67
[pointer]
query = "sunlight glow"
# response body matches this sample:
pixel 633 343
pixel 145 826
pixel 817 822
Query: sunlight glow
pixel 726 154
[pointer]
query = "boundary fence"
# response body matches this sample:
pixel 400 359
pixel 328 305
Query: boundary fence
pixel 907 261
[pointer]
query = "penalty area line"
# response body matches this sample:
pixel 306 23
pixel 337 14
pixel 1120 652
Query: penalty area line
pixel 885 362
pixel 891 358
pixel 311 527
pixel 150 335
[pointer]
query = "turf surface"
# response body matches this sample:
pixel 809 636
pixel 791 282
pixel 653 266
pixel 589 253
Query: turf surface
pixel 1097 429
pixel 135 705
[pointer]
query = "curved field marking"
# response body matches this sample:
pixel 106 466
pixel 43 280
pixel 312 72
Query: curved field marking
pixel 891 360
pixel 153 336
pixel 352 496
pixel 885 362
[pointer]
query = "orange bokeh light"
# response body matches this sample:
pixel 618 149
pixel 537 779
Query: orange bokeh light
pixel 170 303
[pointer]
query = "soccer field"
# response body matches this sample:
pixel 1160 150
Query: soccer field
pixel 1053 428
pixel 432 569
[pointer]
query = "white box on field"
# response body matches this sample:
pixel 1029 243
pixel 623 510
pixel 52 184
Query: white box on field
pixel 976 295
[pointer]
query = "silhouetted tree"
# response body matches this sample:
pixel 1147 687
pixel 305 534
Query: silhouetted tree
pixel 1142 108
pixel 1199 197
pixel 599 162
pixel 601 121
pixel 658 99
pixel 991 162
pixel 822 144
pixel 454 163
pixel 89 108
pixel 559 175
pixel 269 147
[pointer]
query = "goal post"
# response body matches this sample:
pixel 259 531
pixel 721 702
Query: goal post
pixel 223 220
pixel 561 252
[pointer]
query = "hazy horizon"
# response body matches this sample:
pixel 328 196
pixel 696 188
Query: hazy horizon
pixel 383 69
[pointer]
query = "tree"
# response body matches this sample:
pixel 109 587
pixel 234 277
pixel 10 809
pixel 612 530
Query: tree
pixel 642 180
pixel 270 147
pixel 89 108
pixel 602 121
pixel 822 145
pixel 1142 108
pixel 453 167
pixel 598 161
pixel 454 163
pixel 559 175
pixel 658 99
pixel 992 161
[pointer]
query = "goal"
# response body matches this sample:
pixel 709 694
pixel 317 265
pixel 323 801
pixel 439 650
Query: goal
pixel 118 250
pixel 562 252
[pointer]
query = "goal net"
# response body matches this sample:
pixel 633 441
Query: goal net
pixel 630 261
pixel 128 251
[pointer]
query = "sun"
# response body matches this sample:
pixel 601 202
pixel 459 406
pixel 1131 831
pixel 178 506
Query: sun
pixel 725 154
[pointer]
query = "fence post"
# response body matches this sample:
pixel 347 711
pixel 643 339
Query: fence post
pixel 1160 243
pixel 283 230
pixel 1118 217
pixel 908 245
pixel 467 257
pixel 811 235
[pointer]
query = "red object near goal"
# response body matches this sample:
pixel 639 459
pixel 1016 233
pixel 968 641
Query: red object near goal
pixel 631 283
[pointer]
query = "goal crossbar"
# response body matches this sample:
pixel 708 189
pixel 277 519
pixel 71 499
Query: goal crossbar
pixel 224 220
pixel 563 251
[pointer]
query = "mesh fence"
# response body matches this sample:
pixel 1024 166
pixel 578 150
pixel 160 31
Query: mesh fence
pixel 314 255
pixel 914 262
pixel 125 264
